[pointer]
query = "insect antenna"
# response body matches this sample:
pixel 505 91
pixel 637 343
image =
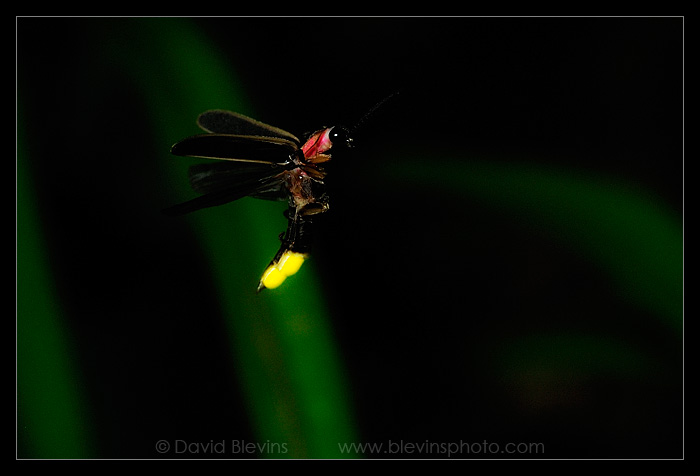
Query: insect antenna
pixel 364 118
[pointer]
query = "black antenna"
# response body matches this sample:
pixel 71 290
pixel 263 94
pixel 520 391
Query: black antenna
pixel 371 111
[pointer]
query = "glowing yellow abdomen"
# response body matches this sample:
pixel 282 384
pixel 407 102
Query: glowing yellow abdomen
pixel 287 265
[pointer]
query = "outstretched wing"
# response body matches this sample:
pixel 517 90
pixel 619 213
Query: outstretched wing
pixel 254 155
pixel 220 196
pixel 265 150
pixel 218 121
pixel 216 177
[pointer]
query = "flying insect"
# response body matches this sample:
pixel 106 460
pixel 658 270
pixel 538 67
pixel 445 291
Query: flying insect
pixel 262 161
pixel 258 160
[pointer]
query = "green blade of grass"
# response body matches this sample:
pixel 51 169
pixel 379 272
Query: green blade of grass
pixel 621 228
pixel 52 420
pixel 284 351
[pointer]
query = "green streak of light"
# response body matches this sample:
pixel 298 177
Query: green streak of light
pixel 294 383
pixel 576 354
pixel 621 228
pixel 51 422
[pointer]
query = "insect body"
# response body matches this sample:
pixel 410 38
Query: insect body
pixel 262 161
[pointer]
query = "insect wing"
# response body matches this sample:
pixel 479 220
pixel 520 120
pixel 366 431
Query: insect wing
pixel 265 150
pixel 224 195
pixel 215 177
pixel 226 122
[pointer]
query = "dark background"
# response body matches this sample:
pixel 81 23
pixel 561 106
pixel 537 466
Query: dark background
pixel 431 297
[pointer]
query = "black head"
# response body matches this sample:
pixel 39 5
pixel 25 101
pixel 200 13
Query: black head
pixel 340 136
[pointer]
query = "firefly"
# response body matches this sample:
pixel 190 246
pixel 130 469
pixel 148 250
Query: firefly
pixel 258 160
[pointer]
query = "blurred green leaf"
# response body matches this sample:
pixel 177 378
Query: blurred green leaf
pixel 284 351
pixel 575 353
pixel 622 229
pixel 52 421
